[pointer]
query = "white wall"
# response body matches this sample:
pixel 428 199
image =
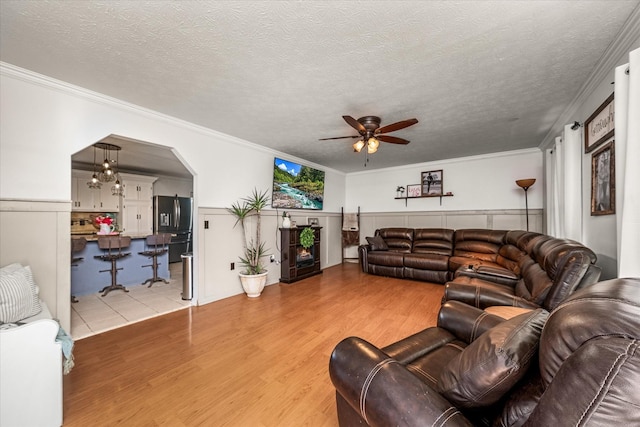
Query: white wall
pixel 598 232
pixel 477 183
pixel 45 121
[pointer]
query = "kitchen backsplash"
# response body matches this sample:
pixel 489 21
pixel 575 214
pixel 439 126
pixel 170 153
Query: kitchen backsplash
pixel 84 222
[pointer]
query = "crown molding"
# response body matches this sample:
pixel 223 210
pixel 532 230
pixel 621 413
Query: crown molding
pixel 623 43
pixel 28 76
pixel 442 162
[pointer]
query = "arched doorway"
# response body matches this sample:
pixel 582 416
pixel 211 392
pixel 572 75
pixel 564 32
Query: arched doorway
pixel 154 171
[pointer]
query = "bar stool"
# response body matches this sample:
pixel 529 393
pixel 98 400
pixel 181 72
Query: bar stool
pixel 156 246
pixel 111 243
pixel 77 245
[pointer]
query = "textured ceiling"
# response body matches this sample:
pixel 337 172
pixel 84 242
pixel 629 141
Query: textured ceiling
pixel 480 76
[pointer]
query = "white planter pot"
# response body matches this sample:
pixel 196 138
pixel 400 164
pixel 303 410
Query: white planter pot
pixel 253 284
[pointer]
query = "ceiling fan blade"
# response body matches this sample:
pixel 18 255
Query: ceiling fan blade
pixel 392 139
pixel 339 137
pixel 355 124
pixel 396 126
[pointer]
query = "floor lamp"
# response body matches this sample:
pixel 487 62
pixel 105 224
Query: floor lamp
pixel 525 184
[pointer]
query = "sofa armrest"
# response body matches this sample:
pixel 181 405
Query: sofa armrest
pixel 465 321
pixel 499 275
pixel 382 392
pixel 482 294
pixel 31 372
pixel 363 250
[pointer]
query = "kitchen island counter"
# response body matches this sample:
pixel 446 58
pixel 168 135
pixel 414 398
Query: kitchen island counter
pixel 86 275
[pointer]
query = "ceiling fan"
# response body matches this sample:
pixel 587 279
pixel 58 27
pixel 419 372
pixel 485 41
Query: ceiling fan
pixel 371 133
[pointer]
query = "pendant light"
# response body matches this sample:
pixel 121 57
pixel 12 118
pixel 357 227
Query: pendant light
pixel 109 168
pixel 94 182
pixel 117 189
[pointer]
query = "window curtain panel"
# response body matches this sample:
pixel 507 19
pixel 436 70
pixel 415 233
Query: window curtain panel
pixel 627 158
pixel 554 191
pixel 564 186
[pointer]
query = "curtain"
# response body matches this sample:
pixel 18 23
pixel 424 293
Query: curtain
pixel 564 185
pixel 627 161
pixel 554 189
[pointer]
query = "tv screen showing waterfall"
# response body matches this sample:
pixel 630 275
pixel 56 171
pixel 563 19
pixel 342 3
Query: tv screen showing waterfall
pixel 296 186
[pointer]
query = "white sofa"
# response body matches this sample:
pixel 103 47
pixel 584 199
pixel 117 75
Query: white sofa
pixel 30 356
pixel 31 373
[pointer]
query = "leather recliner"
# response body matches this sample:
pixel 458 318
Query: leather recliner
pixel 579 365
pixel 553 269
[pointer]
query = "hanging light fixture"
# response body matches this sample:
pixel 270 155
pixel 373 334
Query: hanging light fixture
pixel 117 189
pixel 357 147
pixel 94 182
pixel 106 175
pixel 109 171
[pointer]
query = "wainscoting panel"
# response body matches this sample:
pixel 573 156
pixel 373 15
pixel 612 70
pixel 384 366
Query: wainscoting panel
pixel 426 221
pixel 37 233
pixel 473 220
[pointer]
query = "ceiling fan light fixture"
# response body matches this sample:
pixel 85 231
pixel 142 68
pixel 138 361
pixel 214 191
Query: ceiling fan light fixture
pixel 372 145
pixel 357 147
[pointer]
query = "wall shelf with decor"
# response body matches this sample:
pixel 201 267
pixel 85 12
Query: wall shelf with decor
pixel 431 185
pixel 423 197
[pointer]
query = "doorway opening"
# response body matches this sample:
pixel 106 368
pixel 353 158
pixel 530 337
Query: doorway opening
pixel 148 172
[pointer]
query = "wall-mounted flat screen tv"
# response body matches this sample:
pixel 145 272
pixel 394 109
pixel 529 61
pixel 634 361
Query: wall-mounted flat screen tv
pixel 296 186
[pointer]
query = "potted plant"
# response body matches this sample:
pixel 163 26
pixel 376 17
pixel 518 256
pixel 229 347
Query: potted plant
pixel 253 276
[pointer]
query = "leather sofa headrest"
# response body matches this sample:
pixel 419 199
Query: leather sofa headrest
pixel 605 309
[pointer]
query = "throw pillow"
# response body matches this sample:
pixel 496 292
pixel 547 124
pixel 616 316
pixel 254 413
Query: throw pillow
pixel 377 243
pixel 487 369
pixel 18 294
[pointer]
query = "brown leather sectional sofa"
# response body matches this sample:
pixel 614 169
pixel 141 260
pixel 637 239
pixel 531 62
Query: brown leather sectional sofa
pixel 578 365
pixel 484 267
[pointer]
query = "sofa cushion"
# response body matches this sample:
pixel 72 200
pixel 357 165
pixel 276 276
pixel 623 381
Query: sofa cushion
pixel 427 261
pixel 437 241
pixel 397 239
pixel 389 258
pixel 484 371
pixel 377 243
pixel 18 294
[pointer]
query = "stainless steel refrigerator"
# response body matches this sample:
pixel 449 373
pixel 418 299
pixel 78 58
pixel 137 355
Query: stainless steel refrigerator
pixel 173 214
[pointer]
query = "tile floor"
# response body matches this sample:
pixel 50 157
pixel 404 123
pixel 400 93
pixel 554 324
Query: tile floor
pixel 93 314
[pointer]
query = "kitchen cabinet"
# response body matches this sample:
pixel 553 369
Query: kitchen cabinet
pixel 108 202
pixel 137 217
pixel 92 199
pixel 137 204
pixel 138 187
pixel 83 197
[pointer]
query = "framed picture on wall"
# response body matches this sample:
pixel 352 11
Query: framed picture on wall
pixel 432 183
pixel 413 190
pixel 603 180
pixel 600 126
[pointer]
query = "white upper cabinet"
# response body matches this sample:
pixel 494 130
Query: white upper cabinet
pixel 109 202
pixel 137 204
pixel 83 198
pixel 137 187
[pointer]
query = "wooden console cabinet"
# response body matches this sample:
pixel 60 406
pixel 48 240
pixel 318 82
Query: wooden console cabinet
pixel 297 262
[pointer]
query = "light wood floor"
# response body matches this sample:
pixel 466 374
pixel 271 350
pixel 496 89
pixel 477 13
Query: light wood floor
pixel 241 361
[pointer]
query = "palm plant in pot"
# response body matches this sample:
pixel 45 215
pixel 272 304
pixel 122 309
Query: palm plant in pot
pixel 253 275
